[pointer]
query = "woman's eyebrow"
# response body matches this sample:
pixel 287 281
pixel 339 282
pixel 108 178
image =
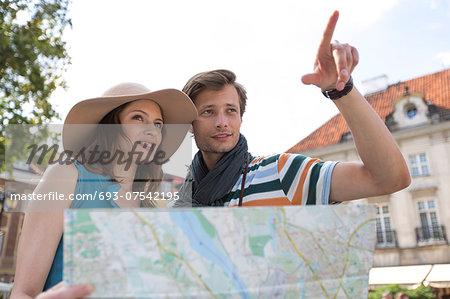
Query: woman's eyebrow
pixel 137 110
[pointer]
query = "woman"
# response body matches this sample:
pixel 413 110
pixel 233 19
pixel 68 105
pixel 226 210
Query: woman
pixel 117 150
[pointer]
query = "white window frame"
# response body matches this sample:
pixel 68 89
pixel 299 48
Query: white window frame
pixel 419 164
pixel 432 227
pixel 381 216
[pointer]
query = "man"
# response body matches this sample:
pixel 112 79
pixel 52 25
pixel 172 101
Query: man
pixel 223 173
pixel 222 160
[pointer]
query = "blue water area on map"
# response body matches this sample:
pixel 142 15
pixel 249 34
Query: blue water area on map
pixel 201 242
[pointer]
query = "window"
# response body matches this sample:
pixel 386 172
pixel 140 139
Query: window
pixel 418 165
pixel 411 111
pixel 430 228
pixel 385 233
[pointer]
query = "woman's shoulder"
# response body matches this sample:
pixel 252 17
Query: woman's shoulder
pixel 67 171
pixel 57 179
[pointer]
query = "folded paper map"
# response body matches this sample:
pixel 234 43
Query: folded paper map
pixel 264 252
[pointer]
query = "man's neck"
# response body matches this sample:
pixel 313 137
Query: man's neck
pixel 211 159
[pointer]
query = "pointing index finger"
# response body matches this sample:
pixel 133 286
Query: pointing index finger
pixel 328 33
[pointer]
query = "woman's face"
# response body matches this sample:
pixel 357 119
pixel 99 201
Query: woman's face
pixel 142 123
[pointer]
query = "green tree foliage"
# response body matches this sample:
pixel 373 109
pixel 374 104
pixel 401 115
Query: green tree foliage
pixel 33 57
pixel 421 292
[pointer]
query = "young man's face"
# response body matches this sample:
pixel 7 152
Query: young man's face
pixel 217 127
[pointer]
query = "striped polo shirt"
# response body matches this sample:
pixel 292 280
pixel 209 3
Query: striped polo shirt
pixel 284 179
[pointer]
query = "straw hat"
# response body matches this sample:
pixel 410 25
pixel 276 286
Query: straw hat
pixel 175 105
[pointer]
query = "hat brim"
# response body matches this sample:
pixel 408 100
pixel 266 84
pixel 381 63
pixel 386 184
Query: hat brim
pixel 177 109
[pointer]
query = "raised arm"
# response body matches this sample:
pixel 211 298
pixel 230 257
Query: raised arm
pixel 383 169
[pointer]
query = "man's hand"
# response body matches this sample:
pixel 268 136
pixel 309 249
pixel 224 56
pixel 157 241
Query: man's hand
pixel 334 62
pixel 61 291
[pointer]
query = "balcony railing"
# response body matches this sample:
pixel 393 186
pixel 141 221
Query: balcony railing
pixel 431 235
pixel 386 239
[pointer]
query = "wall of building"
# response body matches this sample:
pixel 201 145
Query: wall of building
pixel 11 224
pixel 11 220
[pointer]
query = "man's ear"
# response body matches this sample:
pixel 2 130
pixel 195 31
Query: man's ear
pixel 191 130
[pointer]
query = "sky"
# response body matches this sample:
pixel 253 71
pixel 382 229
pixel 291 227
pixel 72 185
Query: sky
pixel 268 44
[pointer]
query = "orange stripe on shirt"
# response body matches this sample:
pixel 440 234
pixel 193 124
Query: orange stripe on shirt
pixel 298 195
pixel 275 201
pixel 282 161
pixel 254 161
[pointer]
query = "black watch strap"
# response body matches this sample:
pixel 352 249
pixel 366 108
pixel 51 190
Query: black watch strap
pixel 334 94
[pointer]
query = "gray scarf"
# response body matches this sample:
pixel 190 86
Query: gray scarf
pixel 211 188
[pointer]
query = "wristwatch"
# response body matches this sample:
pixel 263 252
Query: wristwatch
pixel 334 94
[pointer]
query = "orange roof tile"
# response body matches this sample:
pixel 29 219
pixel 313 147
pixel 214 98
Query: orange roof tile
pixel 435 87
